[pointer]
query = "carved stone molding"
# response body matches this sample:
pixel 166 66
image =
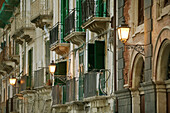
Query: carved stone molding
pixel 77 38
pixel 61 48
pixel 97 24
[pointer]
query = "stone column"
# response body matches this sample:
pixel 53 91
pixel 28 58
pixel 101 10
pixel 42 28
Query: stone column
pixel 124 101
pixel 161 98
pixel 148 85
pixel 150 97
pixel 135 102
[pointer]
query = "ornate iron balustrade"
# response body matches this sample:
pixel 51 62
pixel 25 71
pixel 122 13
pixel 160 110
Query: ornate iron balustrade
pixel 25 83
pixel 94 83
pixel 58 94
pixel 70 90
pixel 70 23
pixel 54 34
pixel 39 78
pixel 92 8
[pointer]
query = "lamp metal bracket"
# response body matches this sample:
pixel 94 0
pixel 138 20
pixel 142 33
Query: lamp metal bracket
pixel 137 47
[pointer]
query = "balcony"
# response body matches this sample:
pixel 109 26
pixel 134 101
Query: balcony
pixel 39 78
pixel 21 28
pixel 25 84
pixel 94 84
pixel 58 95
pixel 71 90
pixel 94 15
pixel 6 60
pixel 73 31
pixel 42 13
pixel 57 43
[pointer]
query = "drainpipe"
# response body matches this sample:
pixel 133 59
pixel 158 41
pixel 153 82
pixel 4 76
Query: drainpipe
pixel 114 44
pixel 114 54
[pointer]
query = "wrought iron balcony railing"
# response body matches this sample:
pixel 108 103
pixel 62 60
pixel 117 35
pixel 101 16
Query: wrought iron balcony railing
pixel 26 83
pixel 93 8
pixel 94 84
pixel 58 94
pixel 39 78
pixel 57 42
pixel 70 90
pixel 69 23
pixel 72 27
pixel 54 34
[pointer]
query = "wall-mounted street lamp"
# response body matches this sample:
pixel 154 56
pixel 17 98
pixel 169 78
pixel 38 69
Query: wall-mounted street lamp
pixel 52 67
pixel 12 81
pixel 123 32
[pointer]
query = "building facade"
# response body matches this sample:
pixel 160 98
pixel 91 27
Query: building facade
pixel 78 35
pixel 145 68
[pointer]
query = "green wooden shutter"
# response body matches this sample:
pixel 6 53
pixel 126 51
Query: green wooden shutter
pixel 61 68
pixel 78 15
pixel 81 87
pixel 62 19
pixel 99 54
pixel 105 8
pixel 30 60
pixel 90 57
pixel 64 12
pixel 101 8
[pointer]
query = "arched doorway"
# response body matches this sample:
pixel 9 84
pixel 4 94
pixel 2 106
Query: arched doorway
pixel 163 78
pixel 138 100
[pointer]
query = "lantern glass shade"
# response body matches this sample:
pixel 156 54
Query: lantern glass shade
pixel 52 67
pixel 123 32
pixel 12 81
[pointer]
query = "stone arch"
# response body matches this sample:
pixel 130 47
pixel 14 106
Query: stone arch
pixel 163 35
pixel 162 60
pixel 137 71
pixel 161 56
pixel 136 92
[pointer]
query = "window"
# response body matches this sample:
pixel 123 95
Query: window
pixel 140 12
pixel 166 2
pixel 162 8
